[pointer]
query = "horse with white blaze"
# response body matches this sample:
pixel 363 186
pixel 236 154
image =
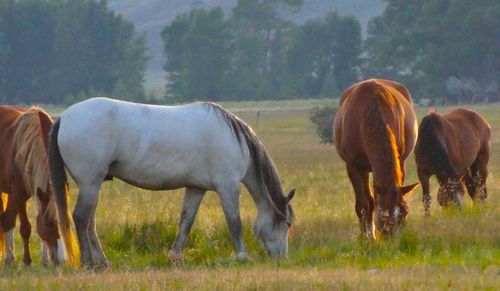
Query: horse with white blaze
pixel 200 147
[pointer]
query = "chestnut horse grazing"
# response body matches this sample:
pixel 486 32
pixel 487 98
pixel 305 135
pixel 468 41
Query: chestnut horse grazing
pixel 375 130
pixel 24 172
pixel 454 146
pixel 200 147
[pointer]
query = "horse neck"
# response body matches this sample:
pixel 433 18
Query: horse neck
pixel 259 191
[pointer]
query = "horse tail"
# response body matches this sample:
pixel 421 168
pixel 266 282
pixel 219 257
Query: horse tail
pixel 379 131
pixel 3 205
pixel 431 148
pixel 61 193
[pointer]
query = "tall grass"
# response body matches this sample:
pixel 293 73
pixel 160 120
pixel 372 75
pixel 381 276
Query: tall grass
pixel 137 227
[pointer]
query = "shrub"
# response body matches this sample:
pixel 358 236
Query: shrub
pixel 323 120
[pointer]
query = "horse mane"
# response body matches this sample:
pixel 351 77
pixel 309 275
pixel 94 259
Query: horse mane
pixel 430 147
pixel 380 132
pixel 30 147
pixel 264 165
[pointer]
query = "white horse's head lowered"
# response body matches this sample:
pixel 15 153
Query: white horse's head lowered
pixel 272 230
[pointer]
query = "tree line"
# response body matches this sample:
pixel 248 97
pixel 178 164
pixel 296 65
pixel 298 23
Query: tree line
pixel 445 51
pixel 59 51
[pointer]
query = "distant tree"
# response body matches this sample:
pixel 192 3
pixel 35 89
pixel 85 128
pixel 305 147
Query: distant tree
pixel 27 31
pixel 4 50
pixel 324 56
pixel 425 43
pixel 51 50
pixel 97 51
pixel 258 48
pixel 196 47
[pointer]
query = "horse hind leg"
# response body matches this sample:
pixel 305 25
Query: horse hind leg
pixel 470 181
pixel 82 216
pixel 8 225
pixel 480 179
pixel 364 201
pixel 98 257
pixel 190 206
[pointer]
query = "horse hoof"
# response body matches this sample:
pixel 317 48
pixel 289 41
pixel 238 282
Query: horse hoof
pixel 9 261
pixel 241 257
pixel 101 267
pixel 176 259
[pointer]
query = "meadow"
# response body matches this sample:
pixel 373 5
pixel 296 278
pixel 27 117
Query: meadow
pixel 450 250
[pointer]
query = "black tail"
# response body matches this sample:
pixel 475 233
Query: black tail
pixel 430 147
pixel 61 193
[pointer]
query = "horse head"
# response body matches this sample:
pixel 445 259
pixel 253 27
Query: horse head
pixel 272 230
pixel 391 208
pixel 450 193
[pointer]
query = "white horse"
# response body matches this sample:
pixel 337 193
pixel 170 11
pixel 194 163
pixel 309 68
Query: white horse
pixel 199 146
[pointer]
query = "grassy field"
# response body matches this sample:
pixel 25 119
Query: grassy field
pixel 449 250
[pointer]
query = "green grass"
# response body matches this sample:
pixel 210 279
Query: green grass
pixel 451 249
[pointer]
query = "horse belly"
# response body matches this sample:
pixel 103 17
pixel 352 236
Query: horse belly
pixel 163 174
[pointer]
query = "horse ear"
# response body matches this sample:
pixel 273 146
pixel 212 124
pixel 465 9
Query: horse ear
pixel 407 189
pixel 290 195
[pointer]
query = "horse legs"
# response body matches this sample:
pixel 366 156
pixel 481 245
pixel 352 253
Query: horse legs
pixel 8 225
pixel 25 231
pixel 45 254
pixel 364 200
pixel 85 204
pixel 426 195
pixel 230 201
pixel 480 178
pixel 192 200
pixel 469 181
pixel 98 257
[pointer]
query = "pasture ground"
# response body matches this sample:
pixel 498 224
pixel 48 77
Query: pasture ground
pixel 450 250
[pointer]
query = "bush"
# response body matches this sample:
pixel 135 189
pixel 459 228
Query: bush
pixel 323 120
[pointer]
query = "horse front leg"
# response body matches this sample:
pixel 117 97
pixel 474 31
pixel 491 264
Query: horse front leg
pixel 230 201
pixel 190 206
pixel 25 231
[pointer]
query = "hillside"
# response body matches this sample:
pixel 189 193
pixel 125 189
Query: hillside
pixel 150 17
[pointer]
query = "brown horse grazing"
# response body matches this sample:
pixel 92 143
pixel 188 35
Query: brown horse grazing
pixel 375 130
pixel 454 146
pixel 24 172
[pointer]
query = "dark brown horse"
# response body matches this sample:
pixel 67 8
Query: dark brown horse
pixel 455 147
pixel 375 130
pixel 24 172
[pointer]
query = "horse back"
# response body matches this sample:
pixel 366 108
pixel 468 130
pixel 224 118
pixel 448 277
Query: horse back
pixel 154 147
pixel 19 126
pixel 466 134
pixel 367 110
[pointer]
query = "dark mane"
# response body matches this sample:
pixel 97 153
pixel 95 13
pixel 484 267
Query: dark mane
pixel 430 147
pixel 264 165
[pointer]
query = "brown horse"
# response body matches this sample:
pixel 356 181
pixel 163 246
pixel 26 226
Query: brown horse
pixel 455 147
pixel 375 130
pixel 24 172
